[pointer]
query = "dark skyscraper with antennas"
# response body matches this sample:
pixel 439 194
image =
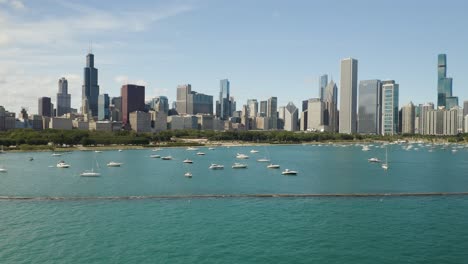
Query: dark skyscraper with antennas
pixel 90 86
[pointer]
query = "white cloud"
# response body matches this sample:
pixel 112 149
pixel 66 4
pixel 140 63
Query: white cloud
pixel 121 79
pixel 141 82
pixel 16 4
pixel 35 46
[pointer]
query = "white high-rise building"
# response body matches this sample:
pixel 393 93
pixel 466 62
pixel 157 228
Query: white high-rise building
pixel 390 117
pixel 291 115
pixel 348 96
pixel 315 110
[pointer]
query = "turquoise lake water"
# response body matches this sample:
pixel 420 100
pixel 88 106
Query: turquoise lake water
pixel 427 229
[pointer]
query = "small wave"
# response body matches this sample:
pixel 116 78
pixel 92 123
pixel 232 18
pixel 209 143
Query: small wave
pixel 201 196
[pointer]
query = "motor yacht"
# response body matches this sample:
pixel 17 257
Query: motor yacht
pixel 263 160
pixel 241 156
pixel 154 156
pixel 289 172
pixel 188 175
pixel 200 153
pixel 273 166
pixel 374 160
pixel 239 166
pixel 166 158
pixel 188 161
pixel 254 151
pixel 63 165
pixel 192 148
pixel 216 167
pixel 114 164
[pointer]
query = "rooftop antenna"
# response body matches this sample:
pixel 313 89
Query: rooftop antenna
pixel 90 48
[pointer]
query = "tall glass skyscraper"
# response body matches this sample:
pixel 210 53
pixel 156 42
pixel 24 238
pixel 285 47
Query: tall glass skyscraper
pixel 103 107
pixel 323 82
pixel 63 98
pixel 370 107
pixel 90 86
pixel 390 115
pixel 444 84
pixel 224 100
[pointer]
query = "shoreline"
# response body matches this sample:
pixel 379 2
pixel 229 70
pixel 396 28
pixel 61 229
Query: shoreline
pixel 207 144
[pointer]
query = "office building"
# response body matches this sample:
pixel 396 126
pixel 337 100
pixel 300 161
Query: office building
pixel 390 116
pixel 140 121
pixel 465 108
pixel 444 85
pixel 133 99
pixel 272 112
pixel 90 92
pixel 315 113
pixel 290 119
pixel 369 107
pixel 115 109
pixel 190 102
pixel 7 119
pixel 263 108
pixel 423 119
pixel 103 107
pixel 408 119
pixel 323 82
pixel 60 123
pixel 348 96
pixel 63 98
pixel 252 108
pixel 160 104
pixel 224 100
pixel 45 107
pixel 331 107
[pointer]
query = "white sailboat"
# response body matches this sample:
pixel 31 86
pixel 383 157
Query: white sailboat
pixel 91 173
pixel 385 165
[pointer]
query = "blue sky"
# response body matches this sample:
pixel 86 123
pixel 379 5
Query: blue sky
pixel 265 48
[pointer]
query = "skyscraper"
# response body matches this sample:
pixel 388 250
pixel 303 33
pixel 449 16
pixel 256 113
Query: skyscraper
pixel 224 99
pixel 370 107
pixel 63 98
pixel 160 104
pixel 272 109
pixel 331 107
pixel 191 102
pixel 263 108
pixel 90 86
pixel 390 118
pixel 252 106
pixel 465 108
pixel 444 85
pixel 291 116
pixel 408 118
pixel 323 82
pixel 315 113
pixel 45 107
pixel 348 96
pixel 103 107
pixel 133 99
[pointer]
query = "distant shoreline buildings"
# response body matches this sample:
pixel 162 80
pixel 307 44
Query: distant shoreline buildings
pixel 365 107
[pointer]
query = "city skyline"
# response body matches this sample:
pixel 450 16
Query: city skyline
pixel 36 67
